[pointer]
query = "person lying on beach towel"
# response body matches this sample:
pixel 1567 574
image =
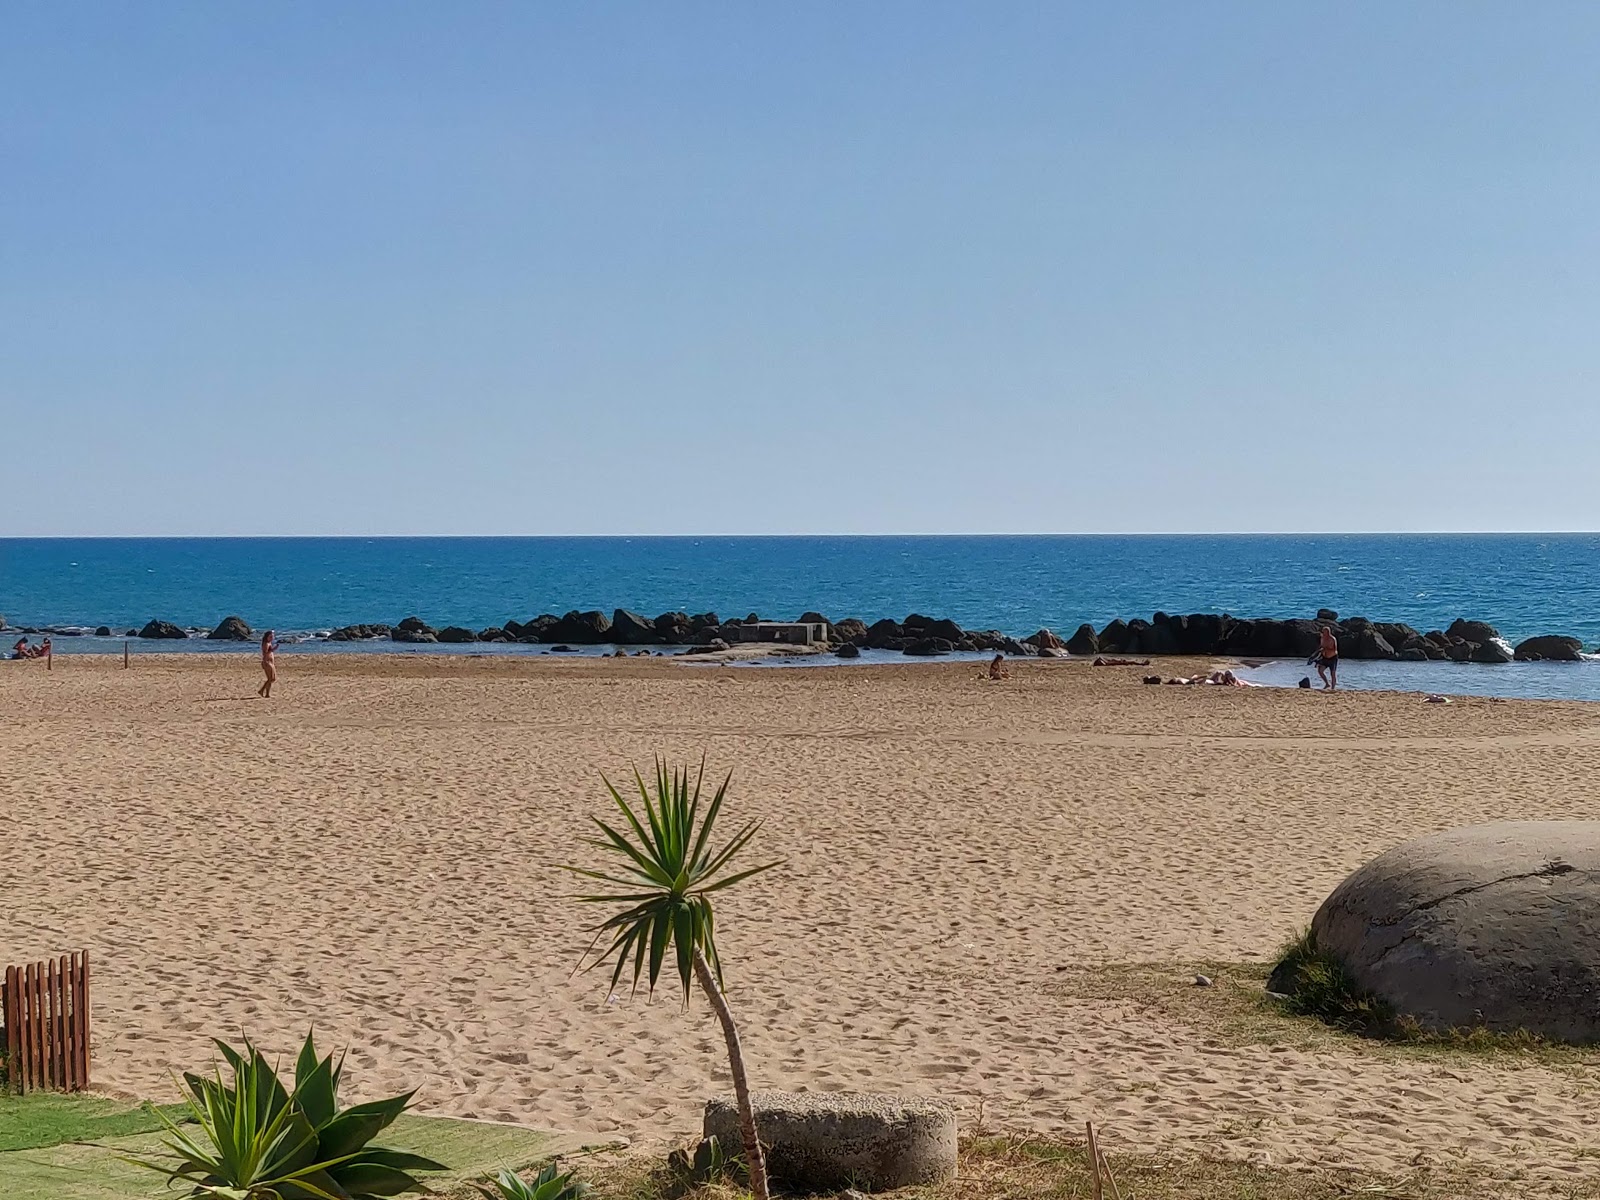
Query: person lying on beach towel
pixel 1215 679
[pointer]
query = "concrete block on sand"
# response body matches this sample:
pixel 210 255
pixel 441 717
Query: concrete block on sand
pixel 823 1141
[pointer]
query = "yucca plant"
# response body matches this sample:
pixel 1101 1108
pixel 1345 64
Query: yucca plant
pixel 666 871
pixel 550 1184
pixel 256 1140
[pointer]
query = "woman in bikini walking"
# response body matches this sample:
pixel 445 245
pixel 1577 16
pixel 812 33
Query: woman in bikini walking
pixel 269 665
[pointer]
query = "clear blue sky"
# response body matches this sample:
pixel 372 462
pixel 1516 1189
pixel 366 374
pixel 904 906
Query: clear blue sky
pixel 681 268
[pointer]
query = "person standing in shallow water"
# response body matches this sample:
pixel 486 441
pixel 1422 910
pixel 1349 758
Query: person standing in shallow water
pixel 1328 659
pixel 269 664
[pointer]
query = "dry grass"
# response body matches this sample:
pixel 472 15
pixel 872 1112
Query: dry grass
pixel 1237 1010
pixel 1004 1168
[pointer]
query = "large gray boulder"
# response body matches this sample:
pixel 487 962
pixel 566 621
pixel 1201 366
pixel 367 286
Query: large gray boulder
pixel 1493 925
pixel 162 629
pixel 825 1141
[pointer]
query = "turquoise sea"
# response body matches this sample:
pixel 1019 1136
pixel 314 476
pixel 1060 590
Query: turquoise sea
pixel 1521 583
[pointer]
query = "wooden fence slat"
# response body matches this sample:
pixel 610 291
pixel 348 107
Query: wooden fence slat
pixel 13 1020
pixel 30 1023
pixel 52 991
pixel 82 1015
pixel 47 1026
pixel 25 1027
pixel 41 1068
pixel 63 1078
pixel 71 1022
pixel 74 1073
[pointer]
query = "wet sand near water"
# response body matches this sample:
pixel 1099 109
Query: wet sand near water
pixel 374 851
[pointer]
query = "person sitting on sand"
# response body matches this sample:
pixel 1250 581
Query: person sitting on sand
pixel 1328 659
pixel 22 650
pixel 269 664
pixel 998 669
pixel 44 649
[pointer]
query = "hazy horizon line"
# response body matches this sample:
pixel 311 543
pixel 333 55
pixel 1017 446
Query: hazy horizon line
pixel 264 537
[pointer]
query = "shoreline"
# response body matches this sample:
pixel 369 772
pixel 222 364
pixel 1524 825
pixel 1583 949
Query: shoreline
pixel 1541 682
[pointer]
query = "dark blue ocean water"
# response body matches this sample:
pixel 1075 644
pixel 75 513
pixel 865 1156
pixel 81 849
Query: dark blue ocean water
pixel 1522 583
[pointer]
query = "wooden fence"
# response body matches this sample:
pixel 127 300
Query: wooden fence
pixel 45 1009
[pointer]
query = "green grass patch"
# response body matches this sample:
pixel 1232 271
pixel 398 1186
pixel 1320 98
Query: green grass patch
pixel 47 1119
pixel 1316 984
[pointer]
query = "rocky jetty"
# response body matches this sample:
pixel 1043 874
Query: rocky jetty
pixel 922 636
pixel 1358 638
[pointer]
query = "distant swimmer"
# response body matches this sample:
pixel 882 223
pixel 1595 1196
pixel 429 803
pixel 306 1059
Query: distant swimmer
pixel 1328 659
pixel 269 665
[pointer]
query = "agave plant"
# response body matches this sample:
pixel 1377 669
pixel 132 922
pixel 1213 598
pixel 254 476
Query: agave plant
pixel 550 1184
pixel 667 871
pixel 257 1140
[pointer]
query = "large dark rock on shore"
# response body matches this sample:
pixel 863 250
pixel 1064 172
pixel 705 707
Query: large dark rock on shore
pixel 102 631
pixel 414 630
pixel 359 633
pixel 927 647
pixel 1084 642
pixel 580 629
pixel 1493 652
pixel 536 629
pixel 886 635
pixel 231 629
pixel 162 630
pixel 1549 647
pixel 456 635
pixel 1157 636
pixel 630 629
pixel 851 629
pixel 1113 638
pixel 495 634
pixel 673 628
pixel 1494 926
pixel 1472 631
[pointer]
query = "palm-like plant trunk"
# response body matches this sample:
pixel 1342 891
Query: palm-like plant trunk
pixel 755 1159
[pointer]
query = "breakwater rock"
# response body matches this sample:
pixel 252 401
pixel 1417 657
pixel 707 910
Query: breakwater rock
pixel 1295 637
pixel 921 636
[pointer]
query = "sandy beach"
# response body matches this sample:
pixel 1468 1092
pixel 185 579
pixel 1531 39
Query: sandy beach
pixel 374 851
